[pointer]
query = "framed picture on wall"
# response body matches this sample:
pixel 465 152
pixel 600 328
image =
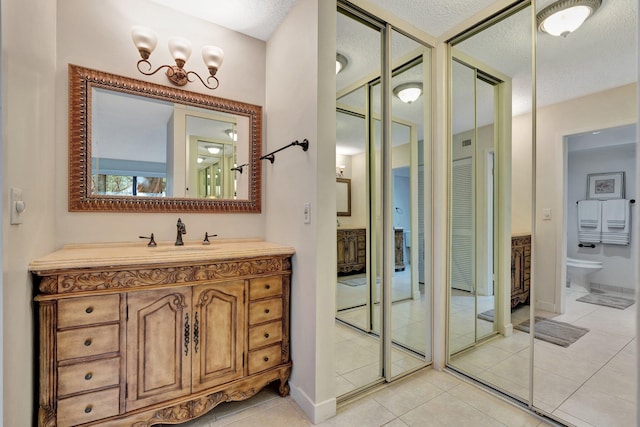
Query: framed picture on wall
pixel 603 186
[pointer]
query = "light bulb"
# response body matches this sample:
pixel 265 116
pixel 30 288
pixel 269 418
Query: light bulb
pixel 212 57
pixel 144 39
pixel 180 49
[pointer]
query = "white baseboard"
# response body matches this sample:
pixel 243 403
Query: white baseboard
pixel 317 412
pixel 546 306
pixel 507 330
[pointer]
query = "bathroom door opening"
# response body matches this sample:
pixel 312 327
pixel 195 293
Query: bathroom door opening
pixel 602 268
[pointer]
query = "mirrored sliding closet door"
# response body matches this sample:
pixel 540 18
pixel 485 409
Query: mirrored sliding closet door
pixel 489 259
pixel 383 288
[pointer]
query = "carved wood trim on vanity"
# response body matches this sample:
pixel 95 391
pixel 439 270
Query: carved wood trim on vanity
pixel 65 283
pixel 117 279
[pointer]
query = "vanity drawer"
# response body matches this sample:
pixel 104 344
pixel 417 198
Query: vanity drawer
pixel 88 341
pixel 265 311
pixel 88 407
pixel 88 376
pixel 266 334
pixel 88 310
pixel 265 287
pixel 265 358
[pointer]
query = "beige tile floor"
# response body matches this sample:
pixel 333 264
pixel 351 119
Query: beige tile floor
pixel 591 383
pixel 425 398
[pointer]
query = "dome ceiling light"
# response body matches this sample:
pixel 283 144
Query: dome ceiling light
pixel 565 16
pixel 341 62
pixel 232 134
pixel 408 92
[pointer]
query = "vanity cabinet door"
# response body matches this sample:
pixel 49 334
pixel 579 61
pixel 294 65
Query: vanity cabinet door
pixel 219 330
pixel 158 346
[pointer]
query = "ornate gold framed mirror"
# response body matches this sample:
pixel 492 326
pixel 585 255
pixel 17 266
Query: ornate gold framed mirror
pixel 343 196
pixel 136 146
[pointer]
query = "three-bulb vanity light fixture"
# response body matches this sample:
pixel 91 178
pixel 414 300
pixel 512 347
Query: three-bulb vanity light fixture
pixel 565 16
pixel 146 39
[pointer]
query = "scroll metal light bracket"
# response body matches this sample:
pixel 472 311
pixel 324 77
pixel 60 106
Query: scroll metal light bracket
pixel 240 167
pixel 178 75
pixel 271 156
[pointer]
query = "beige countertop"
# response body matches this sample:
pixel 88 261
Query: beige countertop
pixel 80 256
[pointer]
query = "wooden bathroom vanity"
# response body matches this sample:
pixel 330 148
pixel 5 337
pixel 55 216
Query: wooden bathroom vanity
pixel 131 335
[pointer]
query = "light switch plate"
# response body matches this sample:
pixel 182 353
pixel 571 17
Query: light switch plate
pixel 17 206
pixel 546 213
pixel 307 213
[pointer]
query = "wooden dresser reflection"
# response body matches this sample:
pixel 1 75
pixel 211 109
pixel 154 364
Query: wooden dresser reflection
pixel 352 250
pixel 399 248
pixel 520 268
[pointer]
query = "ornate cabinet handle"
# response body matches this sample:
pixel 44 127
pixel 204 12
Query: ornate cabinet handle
pixel 196 333
pixel 186 334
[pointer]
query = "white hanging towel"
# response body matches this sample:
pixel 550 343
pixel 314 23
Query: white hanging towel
pixel 616 212
pixel 616 222
pixel 589 221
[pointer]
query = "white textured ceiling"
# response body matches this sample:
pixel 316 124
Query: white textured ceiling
pixel 602 54
pixel 434 16
pixel 256 18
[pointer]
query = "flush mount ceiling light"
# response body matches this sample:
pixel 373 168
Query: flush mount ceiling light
pixel 565 16
pixel 231 133
pixel 408 92
pixel 146 39
pixel 341 62
pixel 213 150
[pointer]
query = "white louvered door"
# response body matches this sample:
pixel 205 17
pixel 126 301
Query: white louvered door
pixel 462 225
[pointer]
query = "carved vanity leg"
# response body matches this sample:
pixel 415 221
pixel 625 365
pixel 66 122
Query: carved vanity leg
pixel 47 403
pixel 284 384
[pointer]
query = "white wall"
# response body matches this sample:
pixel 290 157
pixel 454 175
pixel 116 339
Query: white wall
pixel 97 35
pixel 618 261
pixel 28 128
pixel 600 110
pixel 302 105
pixel 521 173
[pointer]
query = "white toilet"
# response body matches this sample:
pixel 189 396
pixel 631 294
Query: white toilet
pixel 579 272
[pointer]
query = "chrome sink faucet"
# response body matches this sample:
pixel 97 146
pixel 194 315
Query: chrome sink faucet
pixel 182 229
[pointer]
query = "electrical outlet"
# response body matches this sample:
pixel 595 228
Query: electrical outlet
pixel 307 213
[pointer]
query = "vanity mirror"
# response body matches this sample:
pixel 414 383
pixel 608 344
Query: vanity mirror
pixel 343 196
pixel 136 146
